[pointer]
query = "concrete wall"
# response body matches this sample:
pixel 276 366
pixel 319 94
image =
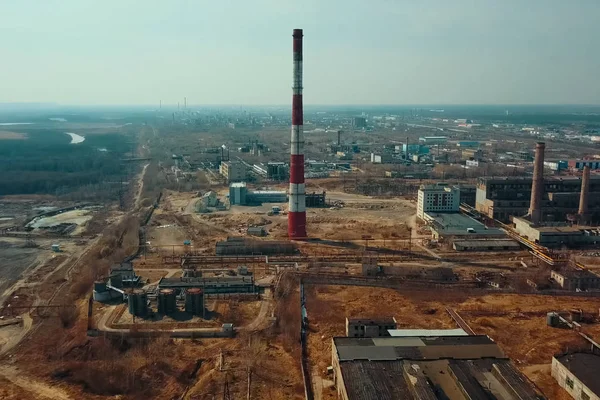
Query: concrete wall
pixel 560 373
pixel 338 380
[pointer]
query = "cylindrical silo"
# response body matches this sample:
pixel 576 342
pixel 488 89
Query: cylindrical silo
pixel 138 303
pixel 194 301
pixel 167 301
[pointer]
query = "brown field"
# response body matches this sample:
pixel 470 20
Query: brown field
pixel 516 322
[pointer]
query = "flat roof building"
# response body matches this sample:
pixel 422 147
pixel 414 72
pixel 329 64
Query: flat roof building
pixel 577 373
pixel 374 327
pixel 556 234
pixel 425 367
pixel 444 225
pixel 233 171
pixel 503 197
pixel 438 198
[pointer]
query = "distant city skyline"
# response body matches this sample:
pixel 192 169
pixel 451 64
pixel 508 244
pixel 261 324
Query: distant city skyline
pixel 384 52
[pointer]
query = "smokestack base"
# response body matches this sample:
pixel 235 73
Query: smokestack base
pixel 537 185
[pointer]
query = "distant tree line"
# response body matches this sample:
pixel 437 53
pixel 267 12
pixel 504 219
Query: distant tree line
pixel 46 163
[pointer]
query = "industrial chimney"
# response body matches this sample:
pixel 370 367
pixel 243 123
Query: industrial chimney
pixel 537 187
pixel 297 206
pixel 585 192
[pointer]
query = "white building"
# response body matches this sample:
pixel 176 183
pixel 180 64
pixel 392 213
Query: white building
pixel 577 373
pixel 437 199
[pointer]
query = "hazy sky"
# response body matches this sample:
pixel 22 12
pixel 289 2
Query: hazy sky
pixel 355 51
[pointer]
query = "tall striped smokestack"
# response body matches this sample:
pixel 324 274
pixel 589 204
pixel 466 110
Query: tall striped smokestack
pixel 537 187
pixel 297 206
pixel 583 200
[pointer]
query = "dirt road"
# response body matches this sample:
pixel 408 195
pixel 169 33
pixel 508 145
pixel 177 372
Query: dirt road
pixel 38 389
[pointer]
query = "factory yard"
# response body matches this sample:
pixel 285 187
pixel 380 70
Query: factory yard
pixel 516 322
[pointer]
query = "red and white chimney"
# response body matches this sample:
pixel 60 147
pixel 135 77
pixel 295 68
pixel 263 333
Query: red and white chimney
pixel 297 206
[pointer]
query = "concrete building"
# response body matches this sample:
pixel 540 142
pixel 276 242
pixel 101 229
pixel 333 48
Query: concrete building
pixel 384 158
pixel 437 198
pixel 577 373
pixel 425 367
pixel 576 279
pixel 455 225
pixel 502 198
pixel 556 234
pixel 361 327
pixel 486 245
pixel 233 171
pixel 240 195
pixel 359 122
pixel 467 194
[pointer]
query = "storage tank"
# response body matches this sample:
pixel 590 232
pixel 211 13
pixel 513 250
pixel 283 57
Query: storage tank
pixel 138 303
pixel 100 286
pixel 100 292
pixel 194 301
pixel 552 319
pixel 116 280
pixel 167 301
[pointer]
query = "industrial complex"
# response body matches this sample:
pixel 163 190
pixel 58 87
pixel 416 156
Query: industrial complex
pixel 397 253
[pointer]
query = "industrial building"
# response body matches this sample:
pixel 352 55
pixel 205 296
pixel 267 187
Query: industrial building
pixel 467 194
pixel 233 171
pixel 447 225
pixel 275 171
pixel 425 367
pixel 501 198
pixel 438 198
pixel 244 246
pixel 383 158
pixel 429 140
pixel 472 154
pixel 210 285
pixel 576 279
pixel 361 327
pixel 359 122
pixel 556 234
pixel 315 200
pixel 240 195
pixel 486 245
pixel 577 373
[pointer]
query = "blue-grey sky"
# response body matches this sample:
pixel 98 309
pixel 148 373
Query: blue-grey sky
pixel 355 51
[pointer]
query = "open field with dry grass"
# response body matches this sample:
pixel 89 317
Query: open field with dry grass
pixel 516 322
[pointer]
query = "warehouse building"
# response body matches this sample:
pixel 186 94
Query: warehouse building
pixel 428 140
pixel 557 234
pixel 486 245
pixel 240 195
pixel 447 225
pixel 425 367
pixel 577 373
pixel 576 279
pixel 244 246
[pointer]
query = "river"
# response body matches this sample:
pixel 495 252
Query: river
pixel 75 138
